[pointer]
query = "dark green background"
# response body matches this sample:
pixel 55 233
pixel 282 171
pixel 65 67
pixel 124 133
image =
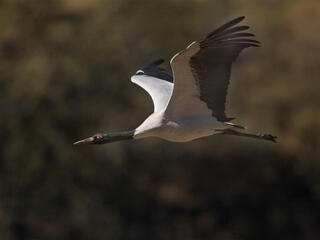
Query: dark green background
pixel 65 70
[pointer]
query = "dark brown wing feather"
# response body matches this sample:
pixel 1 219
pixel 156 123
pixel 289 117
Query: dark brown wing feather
pixel 211 65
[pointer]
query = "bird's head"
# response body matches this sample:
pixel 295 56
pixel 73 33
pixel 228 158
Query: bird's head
pixel 97 138
pixel 102 138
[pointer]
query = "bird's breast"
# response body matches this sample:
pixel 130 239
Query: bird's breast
pixel 179 130
pixel 185 131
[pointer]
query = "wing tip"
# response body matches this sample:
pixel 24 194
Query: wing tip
pixel 153 70
pixel 236 20
pixel 227 25
pixel 240 18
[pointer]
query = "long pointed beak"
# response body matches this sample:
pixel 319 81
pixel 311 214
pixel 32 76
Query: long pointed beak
pixel 84 141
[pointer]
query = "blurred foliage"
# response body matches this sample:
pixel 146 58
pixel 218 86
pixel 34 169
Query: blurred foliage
pixel 64 75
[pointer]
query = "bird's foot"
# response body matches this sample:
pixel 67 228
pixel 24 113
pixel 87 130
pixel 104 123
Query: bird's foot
pixel 269 137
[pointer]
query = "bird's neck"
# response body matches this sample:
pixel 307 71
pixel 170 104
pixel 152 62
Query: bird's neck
pixel 116 136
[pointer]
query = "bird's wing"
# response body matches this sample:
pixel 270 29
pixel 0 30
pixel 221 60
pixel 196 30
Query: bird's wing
pixel 156 82
pixel 202 71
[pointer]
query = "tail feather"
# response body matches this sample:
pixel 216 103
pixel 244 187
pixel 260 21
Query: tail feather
pixel 235 125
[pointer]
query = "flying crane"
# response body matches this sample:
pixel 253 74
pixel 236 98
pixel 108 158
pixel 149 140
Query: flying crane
pixel 191 104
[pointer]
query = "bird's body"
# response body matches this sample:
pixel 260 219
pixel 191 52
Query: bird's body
pixel 182 129
pixel 162 123
pixel 191 104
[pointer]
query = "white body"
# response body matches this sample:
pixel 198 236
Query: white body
pixel 182 129
pixel 174 127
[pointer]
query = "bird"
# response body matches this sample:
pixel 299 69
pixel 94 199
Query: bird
pixel 191 103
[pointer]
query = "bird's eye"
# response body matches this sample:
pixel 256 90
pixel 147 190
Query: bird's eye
pixel 96 137
pixel 140 72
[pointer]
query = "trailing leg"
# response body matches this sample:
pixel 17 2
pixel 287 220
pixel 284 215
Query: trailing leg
pixel 268 137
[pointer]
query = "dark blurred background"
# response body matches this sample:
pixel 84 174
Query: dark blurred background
pixel 65 74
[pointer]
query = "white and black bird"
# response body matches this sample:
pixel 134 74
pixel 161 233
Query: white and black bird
pixel 191 104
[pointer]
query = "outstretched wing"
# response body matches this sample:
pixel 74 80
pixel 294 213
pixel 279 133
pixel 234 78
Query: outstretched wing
pixel 202 71
pixel 156 82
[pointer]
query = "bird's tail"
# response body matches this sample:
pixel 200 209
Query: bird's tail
pixel 234 125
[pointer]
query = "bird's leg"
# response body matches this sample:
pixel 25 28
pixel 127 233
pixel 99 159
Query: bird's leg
pixel 268 137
